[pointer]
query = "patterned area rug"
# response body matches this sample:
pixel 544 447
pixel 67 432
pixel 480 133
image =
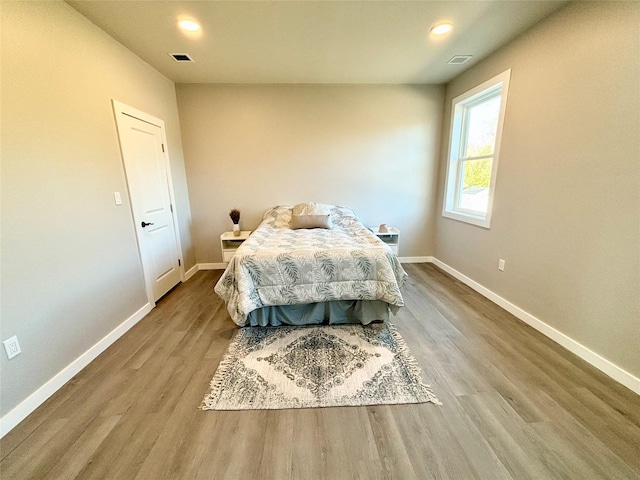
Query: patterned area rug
pixel 319 366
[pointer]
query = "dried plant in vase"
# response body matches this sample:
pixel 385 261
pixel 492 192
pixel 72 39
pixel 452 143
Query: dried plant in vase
pixel 235 218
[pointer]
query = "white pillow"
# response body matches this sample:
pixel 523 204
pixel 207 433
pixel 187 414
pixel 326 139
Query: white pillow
pixel 311 208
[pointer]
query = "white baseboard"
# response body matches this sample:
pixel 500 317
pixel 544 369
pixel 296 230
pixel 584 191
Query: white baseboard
pixel 212 266
pixel 611 369
pixel 415 259
pixel 191 272
pixel 37 398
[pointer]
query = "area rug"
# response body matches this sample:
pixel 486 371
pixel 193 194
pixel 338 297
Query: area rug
pixel 316 366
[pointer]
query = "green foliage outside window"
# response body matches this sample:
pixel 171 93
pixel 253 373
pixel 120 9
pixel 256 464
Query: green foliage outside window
pixel 477 173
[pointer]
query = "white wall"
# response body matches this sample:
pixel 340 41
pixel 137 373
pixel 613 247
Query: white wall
pixel 567 203
pixel 373 148
pixel 70 266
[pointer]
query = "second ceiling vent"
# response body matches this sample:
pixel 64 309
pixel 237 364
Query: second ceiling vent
pixel 181 57
pixel 459 59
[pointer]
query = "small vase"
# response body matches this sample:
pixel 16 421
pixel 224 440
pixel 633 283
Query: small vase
pixel 236 230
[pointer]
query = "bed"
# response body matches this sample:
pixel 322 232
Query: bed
pixel 288 272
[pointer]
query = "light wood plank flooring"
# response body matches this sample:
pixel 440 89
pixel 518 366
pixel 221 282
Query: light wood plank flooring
pixel 516 406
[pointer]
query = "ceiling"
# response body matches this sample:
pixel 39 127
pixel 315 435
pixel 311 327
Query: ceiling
pixel 344 42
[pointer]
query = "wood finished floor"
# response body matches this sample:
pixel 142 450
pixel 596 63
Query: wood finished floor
pixel 516 406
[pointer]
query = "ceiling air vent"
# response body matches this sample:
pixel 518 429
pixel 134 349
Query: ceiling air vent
pixel 181 57
pixel 459 59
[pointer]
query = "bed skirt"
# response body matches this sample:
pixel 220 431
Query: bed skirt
pixel 332 313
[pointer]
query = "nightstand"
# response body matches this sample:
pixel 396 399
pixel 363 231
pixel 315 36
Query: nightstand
pixel 391 238
pixel 229 243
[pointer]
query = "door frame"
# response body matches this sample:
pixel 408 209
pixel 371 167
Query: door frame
pixel 121 108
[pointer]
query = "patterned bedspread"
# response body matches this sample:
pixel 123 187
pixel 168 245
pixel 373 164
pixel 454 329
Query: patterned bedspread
pixel 280 266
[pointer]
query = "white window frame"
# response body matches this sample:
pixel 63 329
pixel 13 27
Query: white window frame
pixel 453 179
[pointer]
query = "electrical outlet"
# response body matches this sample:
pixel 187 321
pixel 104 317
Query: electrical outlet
pixel 501 263
pixel 117 198
pixel 12 347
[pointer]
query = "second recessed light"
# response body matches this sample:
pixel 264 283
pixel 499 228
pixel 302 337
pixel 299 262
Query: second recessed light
pixel 189 25
pixel 441 28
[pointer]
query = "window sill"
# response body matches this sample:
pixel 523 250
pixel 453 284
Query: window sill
pixel 477 220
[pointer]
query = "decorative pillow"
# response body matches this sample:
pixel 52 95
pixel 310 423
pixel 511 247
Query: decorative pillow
pixel 310 221
pixel 311 215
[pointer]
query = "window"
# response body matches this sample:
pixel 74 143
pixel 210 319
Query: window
pixel 476 126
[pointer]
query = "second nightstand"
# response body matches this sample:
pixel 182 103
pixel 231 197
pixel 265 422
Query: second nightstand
pixel 229 243
pixel 391 237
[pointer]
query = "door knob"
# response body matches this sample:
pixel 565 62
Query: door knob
pixel 145 224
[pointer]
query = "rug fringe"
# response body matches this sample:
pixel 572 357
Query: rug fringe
pixel 216 382
pixel 411 363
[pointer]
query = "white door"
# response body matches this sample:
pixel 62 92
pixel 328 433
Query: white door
pixel 146 164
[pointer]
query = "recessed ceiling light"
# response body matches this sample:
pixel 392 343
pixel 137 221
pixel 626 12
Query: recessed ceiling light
pixel 189 25
pixel 441 28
